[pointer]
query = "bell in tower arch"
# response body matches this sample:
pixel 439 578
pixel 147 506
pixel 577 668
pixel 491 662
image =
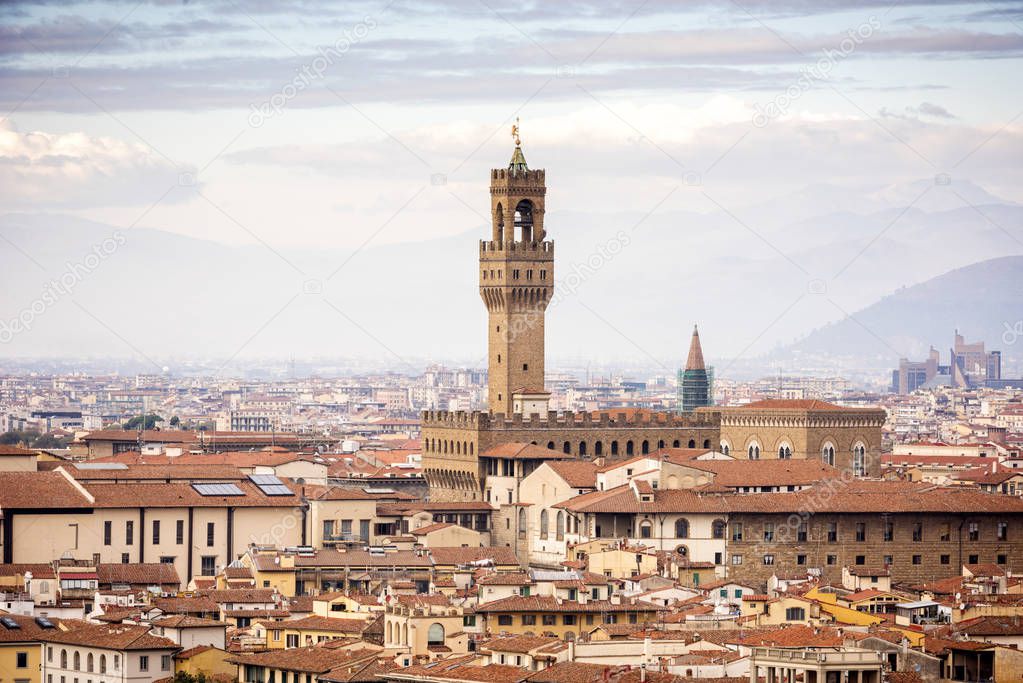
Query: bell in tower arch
pixel 524 220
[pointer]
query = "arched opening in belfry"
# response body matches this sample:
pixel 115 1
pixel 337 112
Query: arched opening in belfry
pixel 499 225
pixel 524 220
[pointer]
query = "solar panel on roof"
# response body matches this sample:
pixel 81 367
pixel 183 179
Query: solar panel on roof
pixel 44 622
pixel 218 489
pixel 276 490
pixel 270 485
pixel 9 623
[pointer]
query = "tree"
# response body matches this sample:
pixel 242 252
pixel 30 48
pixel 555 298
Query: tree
pixel 175 421
pixel 135 422
pixel 14 438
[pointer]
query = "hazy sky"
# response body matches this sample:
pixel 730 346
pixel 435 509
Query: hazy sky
pixel 334 125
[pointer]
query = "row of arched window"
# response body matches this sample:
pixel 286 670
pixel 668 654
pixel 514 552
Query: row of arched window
pixel 76 661
pixel 559 524
pixel 827 454
pixel 717 527
pixel 630 446
pixel 449 446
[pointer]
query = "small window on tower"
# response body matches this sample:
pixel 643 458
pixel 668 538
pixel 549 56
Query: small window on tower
pixel 525 366
pixel 498 328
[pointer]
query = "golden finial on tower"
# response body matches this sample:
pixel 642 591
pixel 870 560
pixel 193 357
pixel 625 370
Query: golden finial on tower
pixel 515 132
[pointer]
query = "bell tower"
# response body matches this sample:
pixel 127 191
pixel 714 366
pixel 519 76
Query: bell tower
pixel 516 284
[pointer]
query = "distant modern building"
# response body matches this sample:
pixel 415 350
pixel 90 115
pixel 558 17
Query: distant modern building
pixel 912 375
pixel 970 365
pixel 694 383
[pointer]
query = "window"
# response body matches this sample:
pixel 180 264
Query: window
pixel 859 460
pixel 861 532
pixel 543 524
pixel 918 559
pixel 49 653
pixel 973 559
pixel 717 529
pixel 889 532
pixel 801 559
pixel 143 662
pixel 21 660
pixel 165 662
pixel 209 565
pixel 801 532
pixel 125 559
pixel 550 619
pixel 210 528
pixel 888 560
pixel 768 559
pixel 973 531
pixel 102 664
pixel 945 559
pixel 291 640
pixel 1002 559
pixel 832 560
pixel 736 559
pixel 504 620
pixel 435 634
pixel 469 620
pixel 78 661
pixel 156 532
pixel 737 531
pixel 768 531
pixel 861 560
pixel 166 559
pixel 108 530
pixel 179 532
pixel 645 529
pixel 682 528
pixel 828 454
pixel 1003 531
pixel 832 532
pixel 945 532
pixel 568 620
pixel 795 614
pixel 559 526
pixel 918 532
pixel 89 663
pixel 129 532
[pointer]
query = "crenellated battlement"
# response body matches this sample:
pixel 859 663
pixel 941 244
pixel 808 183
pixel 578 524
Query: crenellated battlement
pixel 517 178
pixel 501 250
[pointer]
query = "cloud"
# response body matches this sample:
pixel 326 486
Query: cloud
pixel 74 170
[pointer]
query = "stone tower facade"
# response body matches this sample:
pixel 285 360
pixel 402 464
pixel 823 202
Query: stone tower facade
pixel 516 284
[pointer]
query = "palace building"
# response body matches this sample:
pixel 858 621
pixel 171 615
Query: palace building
pixel 804 429
pixel 516 282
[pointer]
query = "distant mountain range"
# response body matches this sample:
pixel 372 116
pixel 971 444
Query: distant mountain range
pixel 984 301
